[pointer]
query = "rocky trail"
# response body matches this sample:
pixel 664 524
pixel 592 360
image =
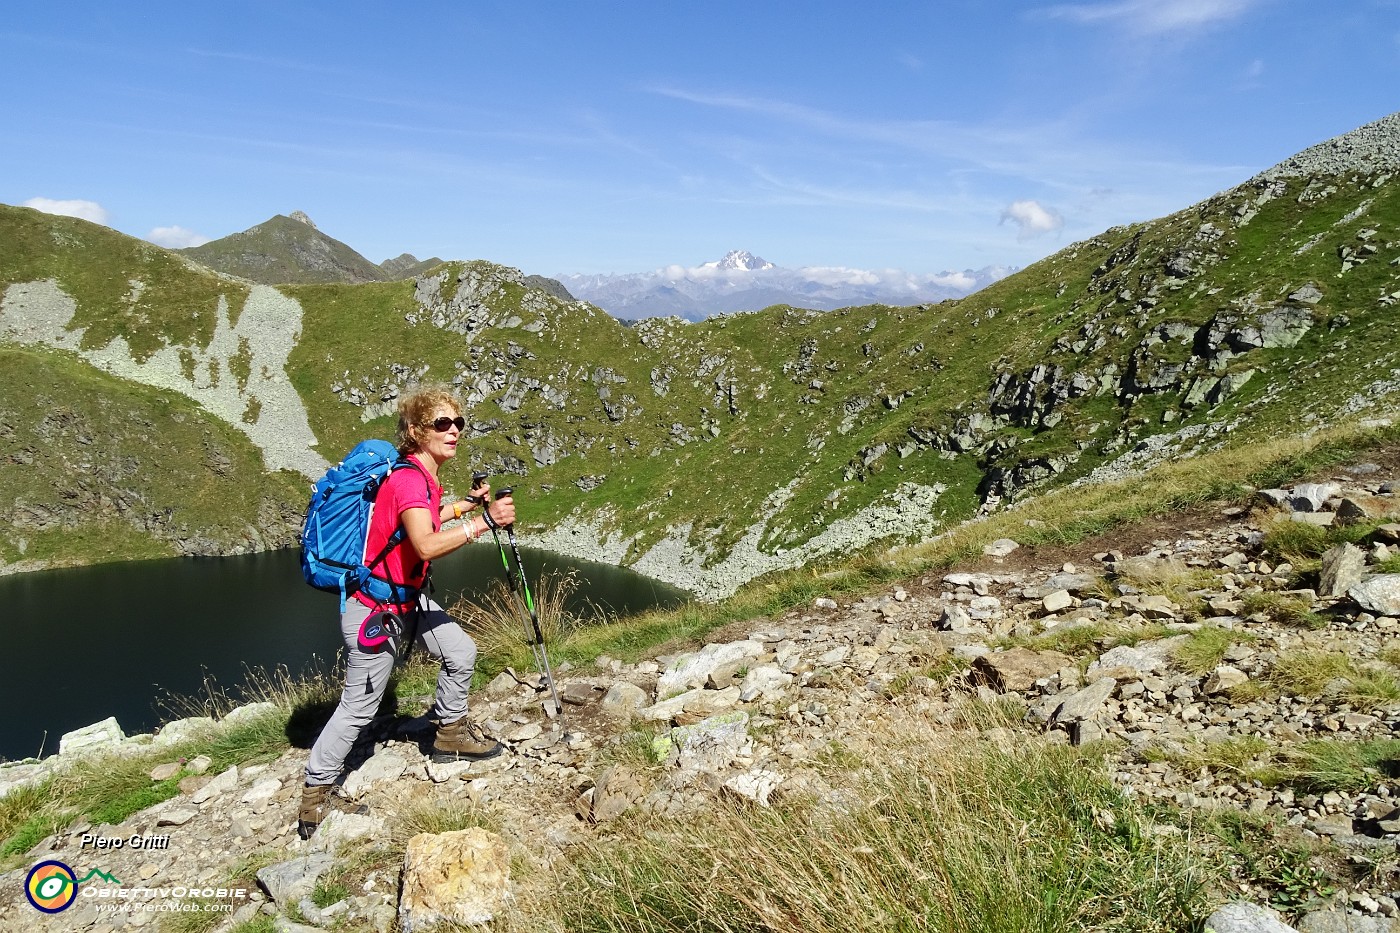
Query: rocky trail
pixel 1093 642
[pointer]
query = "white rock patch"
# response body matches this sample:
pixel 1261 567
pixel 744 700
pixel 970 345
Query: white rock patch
pixel 39 313
pixel 908 513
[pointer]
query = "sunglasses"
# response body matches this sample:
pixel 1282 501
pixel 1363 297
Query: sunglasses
pixel 442 424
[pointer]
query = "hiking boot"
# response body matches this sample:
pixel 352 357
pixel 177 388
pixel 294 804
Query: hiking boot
pixel 463 740
pixel 317 801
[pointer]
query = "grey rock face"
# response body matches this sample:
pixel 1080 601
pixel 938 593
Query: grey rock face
pixel 288 882
pixel 1310 497
pixel 1336 921
pixel 1380 594
pixel 1244 917
pixel 1342 568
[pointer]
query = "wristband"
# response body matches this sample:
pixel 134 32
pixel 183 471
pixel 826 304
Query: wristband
pixel 467 530
pixel 490 522
pixel 457 509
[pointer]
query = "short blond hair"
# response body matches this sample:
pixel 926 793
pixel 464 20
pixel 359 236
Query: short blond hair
pixel 417 410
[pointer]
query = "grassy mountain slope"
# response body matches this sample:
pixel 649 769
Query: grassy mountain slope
pixel 98 468
pixel 713 452
pixel 283 250
pixel 123 287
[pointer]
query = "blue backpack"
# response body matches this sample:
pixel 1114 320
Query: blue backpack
pixel 334 533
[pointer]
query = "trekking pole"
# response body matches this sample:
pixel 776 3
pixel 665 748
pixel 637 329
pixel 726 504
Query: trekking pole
pixel 520 590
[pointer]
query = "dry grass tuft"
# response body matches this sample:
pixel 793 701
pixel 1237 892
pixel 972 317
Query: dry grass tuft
pixel 501 625
pixel 924 834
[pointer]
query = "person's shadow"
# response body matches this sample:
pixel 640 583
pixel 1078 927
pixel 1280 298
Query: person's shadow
pixel 310 716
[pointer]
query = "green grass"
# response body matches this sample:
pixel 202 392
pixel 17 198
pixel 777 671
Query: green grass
pixel 110 491
pixel 740 385
pixel 1367 687
pixel 28 816
pixel 1372 688
pixel 1315 766
pixel 436 816
pixel 108 788
pixel 1342 765
pixel 1287 872
pixel 260 924
pixel 1078 641
pixel 1307 673
pixel 1286 610
pixel 1205 649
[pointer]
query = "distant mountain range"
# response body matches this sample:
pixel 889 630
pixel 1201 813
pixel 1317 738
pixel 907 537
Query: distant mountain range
pixel 742 281
pixel 289 249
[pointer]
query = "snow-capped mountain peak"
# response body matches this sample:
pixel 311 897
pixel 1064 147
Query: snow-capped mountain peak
pixel 740 260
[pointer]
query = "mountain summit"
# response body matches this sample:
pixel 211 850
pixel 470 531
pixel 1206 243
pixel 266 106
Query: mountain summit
pixel 740 260
pixel 287 250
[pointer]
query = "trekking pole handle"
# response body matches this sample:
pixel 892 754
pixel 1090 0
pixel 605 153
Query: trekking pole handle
pixel 501 494
pixel 478 479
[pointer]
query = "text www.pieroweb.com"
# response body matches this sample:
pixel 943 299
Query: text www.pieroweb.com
pixel 165 900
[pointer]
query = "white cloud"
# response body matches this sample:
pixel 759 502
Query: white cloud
pixel 84 210
pixel 959 280
pixel 840 275
pixel 1153 16
pixel 176 237
pixel 1033 218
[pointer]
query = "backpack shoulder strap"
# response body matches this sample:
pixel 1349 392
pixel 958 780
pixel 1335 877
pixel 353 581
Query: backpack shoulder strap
pixel 399 533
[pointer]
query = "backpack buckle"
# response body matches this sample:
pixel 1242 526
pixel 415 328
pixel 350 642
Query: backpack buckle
pixel 381 631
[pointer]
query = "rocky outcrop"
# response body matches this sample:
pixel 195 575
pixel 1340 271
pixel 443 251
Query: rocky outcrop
pixel 1370 149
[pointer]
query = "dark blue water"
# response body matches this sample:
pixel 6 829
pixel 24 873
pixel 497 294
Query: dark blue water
pixel 121 640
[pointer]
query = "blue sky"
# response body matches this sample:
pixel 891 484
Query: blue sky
pixel 593 137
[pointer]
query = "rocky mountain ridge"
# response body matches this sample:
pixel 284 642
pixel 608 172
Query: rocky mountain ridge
pixel 1178 643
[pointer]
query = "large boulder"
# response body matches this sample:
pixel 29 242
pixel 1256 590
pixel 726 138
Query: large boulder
pixel 1245 917
pixel 98 735
pixel 1018 669
pixel 1342 568
pixel 694 669
pixel 1380 594
pixel 459 877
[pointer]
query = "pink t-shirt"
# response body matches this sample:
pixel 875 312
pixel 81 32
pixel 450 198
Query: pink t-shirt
pixel 406 488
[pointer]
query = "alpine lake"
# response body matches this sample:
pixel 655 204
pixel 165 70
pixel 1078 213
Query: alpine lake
pixel 141 640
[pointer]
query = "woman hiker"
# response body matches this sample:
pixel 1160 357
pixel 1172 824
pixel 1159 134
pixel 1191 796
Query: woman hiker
pixel 430 426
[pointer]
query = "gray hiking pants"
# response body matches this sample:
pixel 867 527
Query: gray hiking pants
pixel 367 674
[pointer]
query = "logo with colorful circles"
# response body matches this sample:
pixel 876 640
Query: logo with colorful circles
pixel 51 887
